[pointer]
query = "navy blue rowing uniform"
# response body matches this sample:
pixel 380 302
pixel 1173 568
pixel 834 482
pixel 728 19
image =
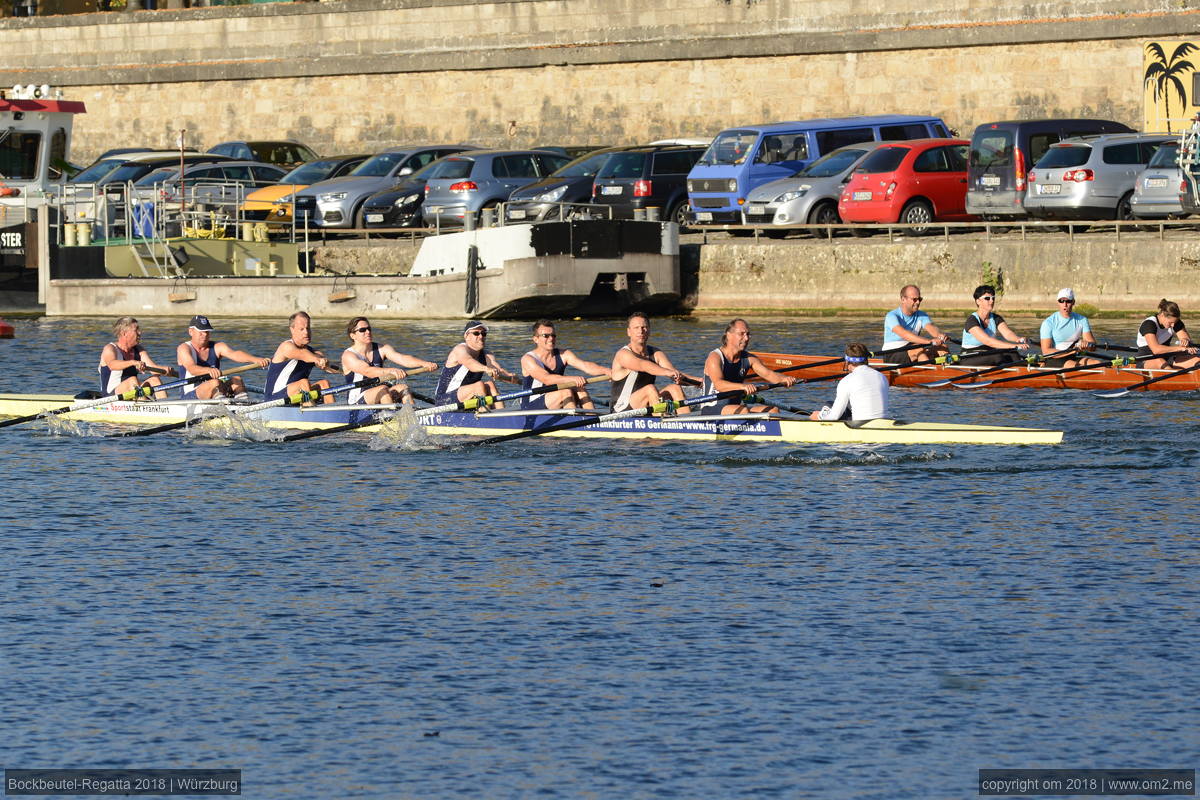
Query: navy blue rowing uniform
pixel 373 359
pixel 453 378
pixel 732 371
pixel 281 374
pixel 539 400
pixel 213 360
pixel 110 380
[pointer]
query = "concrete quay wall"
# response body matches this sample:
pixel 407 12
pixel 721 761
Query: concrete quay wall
pixel 359 75
pixel 1129 276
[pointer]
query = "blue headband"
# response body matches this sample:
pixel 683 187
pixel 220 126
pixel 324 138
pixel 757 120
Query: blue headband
pixel 855 360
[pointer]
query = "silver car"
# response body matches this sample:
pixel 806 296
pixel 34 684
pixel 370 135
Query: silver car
pixel 337 203
pixel 1156 195
pixel 811 195
pixel 465 184
pixel 1090 177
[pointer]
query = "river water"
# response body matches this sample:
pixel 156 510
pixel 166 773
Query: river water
pixel 599 619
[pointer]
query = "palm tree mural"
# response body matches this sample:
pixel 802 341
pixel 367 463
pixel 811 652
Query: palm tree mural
pixel 1164 75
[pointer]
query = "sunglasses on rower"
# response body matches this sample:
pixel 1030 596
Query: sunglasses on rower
pixel 987 297
pixel 362 330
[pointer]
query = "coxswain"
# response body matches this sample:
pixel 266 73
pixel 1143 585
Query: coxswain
pixel 1066 329
pixel 199 355
pixel 863 394
pixel 470 370
pixel 293 361
pixel 636 366
pixel 987 329
pixel 730 367
pixel 123 360
pixel 909 337
pixel 546 364
pixel 364 358
pixel 1155 335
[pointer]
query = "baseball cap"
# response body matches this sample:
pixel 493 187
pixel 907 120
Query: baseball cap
pixel 473 324
pixel 1065 294
pixel 200 323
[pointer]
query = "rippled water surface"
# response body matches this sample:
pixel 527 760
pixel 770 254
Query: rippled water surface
pixel 343 617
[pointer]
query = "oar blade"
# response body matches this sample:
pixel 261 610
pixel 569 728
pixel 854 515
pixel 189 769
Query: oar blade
pixel 1112 394
pixel 976 385
pixel 936 384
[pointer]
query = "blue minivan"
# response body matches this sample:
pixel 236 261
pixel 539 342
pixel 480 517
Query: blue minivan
pixel 741 159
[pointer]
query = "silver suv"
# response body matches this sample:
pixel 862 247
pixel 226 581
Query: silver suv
pixel 1090 177
pixel 1156 195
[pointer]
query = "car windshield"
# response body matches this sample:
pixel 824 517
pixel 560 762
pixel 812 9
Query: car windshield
pixel 584 167
pixel 281 152
pixel 885 159
pixel 831 164
pixel 127 172
pixel 311 172
pixel 157 176
pixel 96 171
pixel 1065 155
pixel 623 165
pixel 380 164
pixel 1166 156
pixel 992 148
pixel 730 147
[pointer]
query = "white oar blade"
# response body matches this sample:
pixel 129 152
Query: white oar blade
pixel 936 384
pixel 971 385
pixel 1117 393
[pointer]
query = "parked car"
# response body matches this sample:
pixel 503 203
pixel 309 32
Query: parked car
pixel 400 206
pixel 571 184
pixel 222 185
pixel 741 159
pixel 649 176
pixel 913 183
pixel 1090 177
pixel 811 195
pixel 111 159
pixel 261 202
pixel 282 152
pixel 1002 153
pixel 1156 192
pixel 134 168
pixel 572 151
pixel 467 183
pixel 337 203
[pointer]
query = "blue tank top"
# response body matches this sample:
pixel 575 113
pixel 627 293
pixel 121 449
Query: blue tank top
pixel 373 359
pixel 280 375
pixel 539 400
pixel 213 360
pixel 109 380
pixel 732 371
pixel 452 378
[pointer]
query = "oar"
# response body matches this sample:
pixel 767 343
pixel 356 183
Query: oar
pixel 1120 361
pixel 312 395
pixel 130 394
pixel 1128 389
pixel 660 407
pixel 1030 360
pixel 469 404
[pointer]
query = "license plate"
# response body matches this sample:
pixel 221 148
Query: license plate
pixel 435 209
pixel 862 195
pixel 610 190
pixel 1049 188
pixel 1155 183
pixel 374 217
pixel 758 209
pixel 516 213
pixel 989 180
pixel 703 216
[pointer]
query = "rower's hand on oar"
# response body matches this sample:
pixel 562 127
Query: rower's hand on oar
pixel 262 363
pixel 397 374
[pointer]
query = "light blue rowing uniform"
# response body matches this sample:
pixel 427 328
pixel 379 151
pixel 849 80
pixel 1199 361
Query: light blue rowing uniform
pixel 913 324
pixel 189 390
pixel 539 400
pixel 1065 331
pixel 969 341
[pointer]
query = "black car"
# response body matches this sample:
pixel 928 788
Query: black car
pixel 562 194
pixel 280 152
pixel 653 176
pixel 400 206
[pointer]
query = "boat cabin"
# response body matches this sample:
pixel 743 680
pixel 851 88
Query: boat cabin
pixel 35 142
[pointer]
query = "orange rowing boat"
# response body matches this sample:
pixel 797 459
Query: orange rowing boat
pixel 1100 378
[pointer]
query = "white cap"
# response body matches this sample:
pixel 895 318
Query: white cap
pixel 1065 294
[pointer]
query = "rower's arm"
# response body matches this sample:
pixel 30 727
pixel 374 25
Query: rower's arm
pixel 986 338
pixel 841 401
pixel 183 356
pixel 108 357
pixel 353 362
pixel 769 375
pixel 495 365
pixel 240 356
pixel 677 375
pixel 584 365
pixel 149 361
pixel 287 351
pixel 405 360
pixel 531 369
pixel 1010 337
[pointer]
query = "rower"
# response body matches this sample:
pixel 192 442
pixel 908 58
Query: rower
pixel 546 364
pixel 123 360
pixel 727 368
pixel 293 361
pixel 467 364
pixel 365 359
pixel 1155 335
pixel 907 326
pixel 199 355
pixel 1066 329
pixel 637 364
pixel 861 395
pixel 985 328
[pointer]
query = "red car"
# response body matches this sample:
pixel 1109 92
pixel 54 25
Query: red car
pixel 913 182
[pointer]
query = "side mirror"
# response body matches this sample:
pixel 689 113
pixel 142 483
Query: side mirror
pixel 405 171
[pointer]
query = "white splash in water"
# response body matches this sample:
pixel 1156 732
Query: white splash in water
pixel 57 425
pixel 402 431
pixel 227 425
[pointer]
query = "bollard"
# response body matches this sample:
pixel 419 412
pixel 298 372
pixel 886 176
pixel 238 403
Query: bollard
pixel 84 234
pixel 69 234
pixel 468 221
pixel 487 218
pixel 652 213
pixel 247 231
pixel 639 213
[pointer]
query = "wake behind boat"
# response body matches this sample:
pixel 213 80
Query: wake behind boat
pixel 761 428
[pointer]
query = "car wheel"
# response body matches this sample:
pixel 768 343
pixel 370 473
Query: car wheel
pixel 1124 207
pixel 919 214
pixel 824 214
pixel 679 215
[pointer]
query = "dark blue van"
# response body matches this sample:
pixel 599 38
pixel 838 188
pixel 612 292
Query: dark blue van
pixel 741 159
